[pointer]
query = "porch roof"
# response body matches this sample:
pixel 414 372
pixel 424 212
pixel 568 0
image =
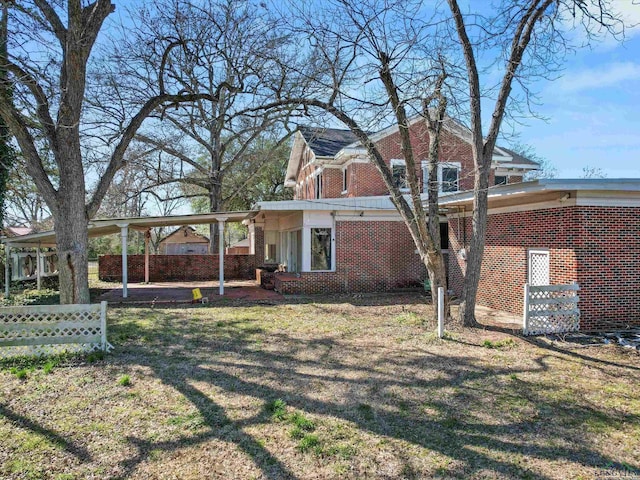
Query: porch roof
pixel 338 204
pixel 109 226
pixel 571 191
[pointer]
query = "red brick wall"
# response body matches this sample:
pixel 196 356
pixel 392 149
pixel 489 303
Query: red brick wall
pixel 164 268
pixel 609 266
pixel 332 183
pixel 365 180
pixel 371 257
pixel 595 246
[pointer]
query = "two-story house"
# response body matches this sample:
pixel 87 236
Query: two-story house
pixel 341 233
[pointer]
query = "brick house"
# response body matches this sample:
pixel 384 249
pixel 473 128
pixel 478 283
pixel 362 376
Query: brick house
pixel 582 231
pixel 341 233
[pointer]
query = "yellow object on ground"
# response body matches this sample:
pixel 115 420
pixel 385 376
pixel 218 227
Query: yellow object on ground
pixel 197 295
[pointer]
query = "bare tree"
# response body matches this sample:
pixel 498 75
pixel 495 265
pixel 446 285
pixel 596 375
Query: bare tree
pixel 401 59
pixel 49 48
pixel 227 47
pixel 592 172
pixel 24 204
pixel 531 32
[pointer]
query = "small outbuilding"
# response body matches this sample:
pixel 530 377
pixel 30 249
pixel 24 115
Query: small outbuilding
pixel 184 241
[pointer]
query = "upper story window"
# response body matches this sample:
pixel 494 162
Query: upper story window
pixel 399 173
pixel 345 180
pixel 501 180
pixel 449 177
pixel 318 186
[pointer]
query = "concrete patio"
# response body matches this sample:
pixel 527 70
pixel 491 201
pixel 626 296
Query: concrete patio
pixel 182 292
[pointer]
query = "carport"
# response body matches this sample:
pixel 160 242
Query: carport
pixel 110 226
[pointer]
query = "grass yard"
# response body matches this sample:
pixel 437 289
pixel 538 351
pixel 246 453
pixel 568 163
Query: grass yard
pixel 348 388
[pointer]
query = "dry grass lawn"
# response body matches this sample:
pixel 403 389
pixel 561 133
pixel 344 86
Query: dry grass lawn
pixel 347 388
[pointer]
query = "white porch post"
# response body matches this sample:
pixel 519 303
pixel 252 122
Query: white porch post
pixel 7 278
pixel 38 261
pixel 124 233
pixel 221 252
pixel 147 237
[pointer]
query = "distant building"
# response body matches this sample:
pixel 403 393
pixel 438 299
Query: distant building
pixel 184 241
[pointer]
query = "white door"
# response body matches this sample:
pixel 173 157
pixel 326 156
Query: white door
pixel 538 267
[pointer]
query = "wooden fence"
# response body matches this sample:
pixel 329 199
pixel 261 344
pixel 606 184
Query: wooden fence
pixel 53 329
pixel 551 309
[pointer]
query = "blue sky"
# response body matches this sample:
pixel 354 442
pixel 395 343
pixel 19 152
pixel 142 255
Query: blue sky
pixel 593 110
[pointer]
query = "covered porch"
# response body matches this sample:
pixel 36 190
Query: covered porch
pixel 102 227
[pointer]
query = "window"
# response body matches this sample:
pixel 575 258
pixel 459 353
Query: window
pixel 321 249
pixel 271 240
pixel 345 179
pixel 449 177
pixel 318 186
pixel 501 180
pixel 399 174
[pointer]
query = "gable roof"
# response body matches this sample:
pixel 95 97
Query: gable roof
pixel 326 142
pixel 329 142
pixel 199 238
pixel 519 159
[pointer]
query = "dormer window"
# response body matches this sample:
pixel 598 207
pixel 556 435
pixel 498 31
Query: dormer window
pixel 399 174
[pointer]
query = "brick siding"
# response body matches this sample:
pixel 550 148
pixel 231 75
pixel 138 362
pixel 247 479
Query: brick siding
pixel 164 268
pixel 371 257
pixel 597 247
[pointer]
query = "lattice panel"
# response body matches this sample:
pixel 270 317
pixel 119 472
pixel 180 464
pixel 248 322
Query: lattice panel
pixel 539 266
pixel 52 329
pixel 552 309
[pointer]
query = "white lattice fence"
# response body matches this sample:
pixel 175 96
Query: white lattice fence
pixel 52 329
pixel 551 309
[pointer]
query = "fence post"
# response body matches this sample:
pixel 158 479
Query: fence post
pixel 440 312
pixel 525 311
pixel 7 271
pixel 103 325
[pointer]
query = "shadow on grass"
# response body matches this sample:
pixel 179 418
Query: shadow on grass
pixel 537 425
pixel 20 421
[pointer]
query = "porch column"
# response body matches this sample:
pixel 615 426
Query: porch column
pixel 221 252
pixel 7 278
pixel 147 237
pixel 38 261
pixel 124 232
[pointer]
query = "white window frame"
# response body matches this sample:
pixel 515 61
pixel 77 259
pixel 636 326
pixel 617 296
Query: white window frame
pixel 441 165
pixel 332 240
pixel 318 185
pixel 345 186
pixel 398 161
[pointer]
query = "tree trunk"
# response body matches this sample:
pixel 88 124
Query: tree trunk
pixel 434 262
pixel 72 240
pixel 476 247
